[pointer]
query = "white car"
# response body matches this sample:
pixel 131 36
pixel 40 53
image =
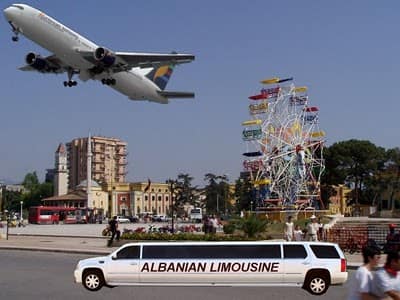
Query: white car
pixel 312 265
pixel 123 219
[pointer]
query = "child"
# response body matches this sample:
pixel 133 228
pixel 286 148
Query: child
pixel 298 233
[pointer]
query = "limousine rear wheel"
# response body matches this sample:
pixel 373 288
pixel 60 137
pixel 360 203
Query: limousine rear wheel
pixel 317 282
pixel 93 279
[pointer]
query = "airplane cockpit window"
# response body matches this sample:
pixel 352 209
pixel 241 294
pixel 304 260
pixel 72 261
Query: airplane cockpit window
pixel 18 6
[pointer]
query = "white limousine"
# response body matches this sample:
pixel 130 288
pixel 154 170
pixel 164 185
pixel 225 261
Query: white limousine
pixel 312 265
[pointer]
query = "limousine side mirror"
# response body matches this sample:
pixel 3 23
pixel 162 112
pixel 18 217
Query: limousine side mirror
pixel 114 257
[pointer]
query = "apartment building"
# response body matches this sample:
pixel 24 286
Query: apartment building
pixel 109 160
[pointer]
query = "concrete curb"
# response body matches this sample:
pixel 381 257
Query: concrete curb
pixel 57 250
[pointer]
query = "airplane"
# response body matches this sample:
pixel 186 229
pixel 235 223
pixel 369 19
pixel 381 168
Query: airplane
pixel 140 76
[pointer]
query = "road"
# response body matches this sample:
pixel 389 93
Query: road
pixel 44 275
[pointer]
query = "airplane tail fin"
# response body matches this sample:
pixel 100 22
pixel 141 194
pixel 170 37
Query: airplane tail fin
pixel 161 75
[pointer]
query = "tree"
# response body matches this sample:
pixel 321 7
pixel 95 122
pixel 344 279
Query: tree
pixel 184 192
pixel 243 194
pixel 353 162
pixel 31 182
pixel 34 190
pixel 217 193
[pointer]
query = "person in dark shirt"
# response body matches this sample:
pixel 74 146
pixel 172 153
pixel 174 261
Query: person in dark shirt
pixel 115 233
pixel 391 238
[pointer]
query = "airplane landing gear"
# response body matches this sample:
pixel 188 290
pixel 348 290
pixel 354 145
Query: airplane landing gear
pixel 70 83
pixel 108 81
pixel 15 38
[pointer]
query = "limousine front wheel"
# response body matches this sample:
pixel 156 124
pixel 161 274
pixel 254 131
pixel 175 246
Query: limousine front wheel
pixel 93 280
pixel 317 282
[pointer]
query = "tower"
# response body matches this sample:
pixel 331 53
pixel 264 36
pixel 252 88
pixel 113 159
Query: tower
pixel 61 171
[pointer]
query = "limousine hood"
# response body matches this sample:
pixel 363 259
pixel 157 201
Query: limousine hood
pixel 100 260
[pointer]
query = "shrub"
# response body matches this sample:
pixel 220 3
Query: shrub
pixel 229 228
pixel 252 226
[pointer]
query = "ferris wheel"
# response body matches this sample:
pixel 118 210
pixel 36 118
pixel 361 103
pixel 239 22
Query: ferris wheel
pixel 284 146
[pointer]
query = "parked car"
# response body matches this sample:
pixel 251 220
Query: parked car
pixel 133 219
pixel 123 219
pixel 159 218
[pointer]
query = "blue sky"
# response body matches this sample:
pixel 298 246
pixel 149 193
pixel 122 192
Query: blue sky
pixel 346 52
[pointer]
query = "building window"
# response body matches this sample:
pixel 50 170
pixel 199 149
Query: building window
pixel 159 198
pixel 159 190
pixel 146 198
pixel 153 198
pixel 152 190
pixel 166 198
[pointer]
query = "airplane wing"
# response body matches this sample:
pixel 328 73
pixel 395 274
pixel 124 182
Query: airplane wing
pixel 148 60
pixel 49 64
pixel 171 94
pixel 124 61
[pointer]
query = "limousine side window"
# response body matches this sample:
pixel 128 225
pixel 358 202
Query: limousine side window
pixel 211 252
pixel 294 251
pixel 130 252
pixel 325 251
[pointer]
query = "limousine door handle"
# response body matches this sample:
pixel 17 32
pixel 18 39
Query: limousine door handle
pixel 133 264
pixel 306 262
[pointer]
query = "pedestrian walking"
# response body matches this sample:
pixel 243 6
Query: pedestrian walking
pixel 360 287
pixel 288 230
pixel 386 282
pixel 115 233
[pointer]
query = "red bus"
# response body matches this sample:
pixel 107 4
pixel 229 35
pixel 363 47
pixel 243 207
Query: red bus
pixel 51 214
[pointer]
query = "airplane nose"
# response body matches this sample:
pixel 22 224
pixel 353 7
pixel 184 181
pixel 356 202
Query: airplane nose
pixel 9 13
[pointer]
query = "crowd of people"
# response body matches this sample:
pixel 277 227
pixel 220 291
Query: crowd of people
pixel 314 230
pixel 371 282
pixel 211 224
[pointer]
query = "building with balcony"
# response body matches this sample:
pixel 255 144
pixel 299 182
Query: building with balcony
pixel 109 160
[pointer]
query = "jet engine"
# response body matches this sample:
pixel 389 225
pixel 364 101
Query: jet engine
pixel 105 56
pixel 36 61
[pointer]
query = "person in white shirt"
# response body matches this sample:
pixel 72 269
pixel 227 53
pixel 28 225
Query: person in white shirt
pixel 312 229
pixel 298 233
pixel 386 282
pixel 361 282
pixel 288 232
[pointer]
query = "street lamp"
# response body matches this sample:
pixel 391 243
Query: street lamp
pixel 20 216
pixel 171 188
pixel 8 222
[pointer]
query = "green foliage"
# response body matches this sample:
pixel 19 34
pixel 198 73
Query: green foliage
pixel 243 194
pixel 184 192
pixel 353 162
pixel 217 194
pixel 31 182
pixel 229 228
pixel 182 237
pixel 252 226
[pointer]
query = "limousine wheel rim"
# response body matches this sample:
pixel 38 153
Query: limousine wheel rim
pixel 92 281
pixel 317 285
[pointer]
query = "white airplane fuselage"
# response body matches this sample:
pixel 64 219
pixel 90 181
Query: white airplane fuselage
pixel 66 45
